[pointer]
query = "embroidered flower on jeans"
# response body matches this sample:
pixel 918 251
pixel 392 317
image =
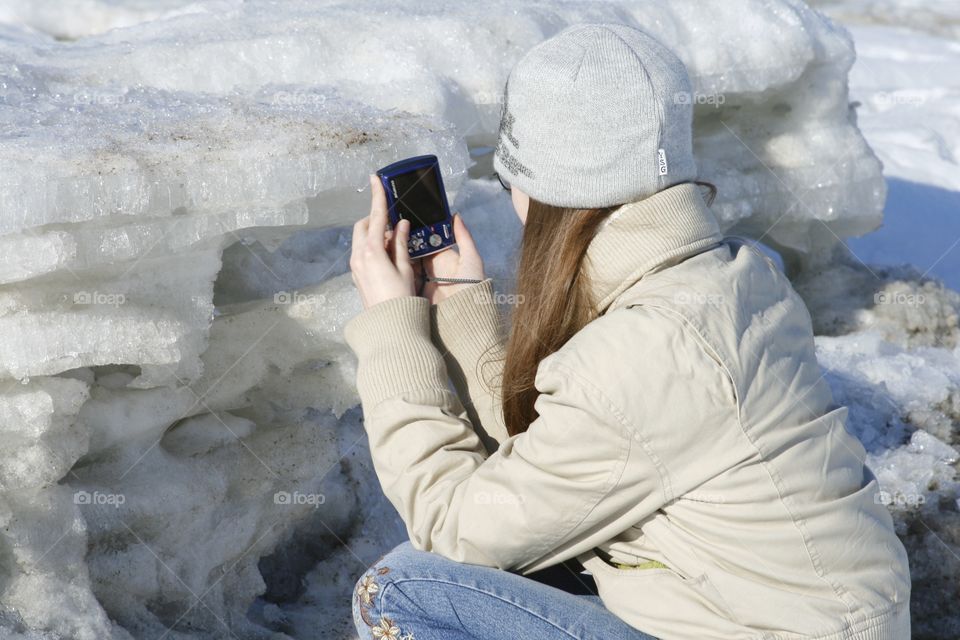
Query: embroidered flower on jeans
pixel 366 589
pixel 386 630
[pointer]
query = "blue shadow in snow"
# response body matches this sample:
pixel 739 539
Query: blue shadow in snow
pixel 921 226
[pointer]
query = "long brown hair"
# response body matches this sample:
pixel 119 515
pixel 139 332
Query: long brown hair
pixel 554 298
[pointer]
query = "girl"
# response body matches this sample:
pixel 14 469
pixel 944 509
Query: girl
pixel 656 415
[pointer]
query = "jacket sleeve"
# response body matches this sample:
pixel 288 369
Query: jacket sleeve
pixel 467 329
pixel 544 496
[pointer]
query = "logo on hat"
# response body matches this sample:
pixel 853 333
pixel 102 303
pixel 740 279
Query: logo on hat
pixel 507 119
pixel 506 131
pixel 662 161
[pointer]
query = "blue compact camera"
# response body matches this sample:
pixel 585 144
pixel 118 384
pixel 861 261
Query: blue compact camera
pixel 415 192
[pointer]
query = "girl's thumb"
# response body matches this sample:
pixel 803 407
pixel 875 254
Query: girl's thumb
pixel 462 234
pixel 400 238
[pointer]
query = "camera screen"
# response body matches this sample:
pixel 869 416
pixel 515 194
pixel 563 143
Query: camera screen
pixel 418 197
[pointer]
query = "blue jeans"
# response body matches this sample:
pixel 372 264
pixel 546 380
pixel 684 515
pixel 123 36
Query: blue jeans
pixel 410 594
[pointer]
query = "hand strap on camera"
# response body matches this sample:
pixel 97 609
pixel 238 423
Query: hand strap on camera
pixel 425 278
pixel 438 279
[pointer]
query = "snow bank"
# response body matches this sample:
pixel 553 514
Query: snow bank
pixel 905 407
pixel 908 90
pixel 176 185
pixel 940 17
pixel 70 20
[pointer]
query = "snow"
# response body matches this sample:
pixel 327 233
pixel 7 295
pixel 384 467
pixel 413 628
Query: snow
pixel 909 93
pixel 183 454
pixel 892 350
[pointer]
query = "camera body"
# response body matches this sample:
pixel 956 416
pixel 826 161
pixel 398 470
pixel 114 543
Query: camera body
pixel 414 189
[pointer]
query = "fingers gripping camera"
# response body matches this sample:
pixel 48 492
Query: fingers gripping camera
pixel 414 189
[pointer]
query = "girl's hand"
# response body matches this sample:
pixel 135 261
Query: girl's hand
pixel 465 262
pixel 380 265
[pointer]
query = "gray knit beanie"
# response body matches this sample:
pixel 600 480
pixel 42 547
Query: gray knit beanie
pixel 597 115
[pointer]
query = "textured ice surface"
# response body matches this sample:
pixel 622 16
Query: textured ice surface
pixel 940 17
pixel 183 456
pixel 773 125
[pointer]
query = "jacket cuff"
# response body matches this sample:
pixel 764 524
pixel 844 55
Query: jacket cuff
pixel 468 322
pixel 391 340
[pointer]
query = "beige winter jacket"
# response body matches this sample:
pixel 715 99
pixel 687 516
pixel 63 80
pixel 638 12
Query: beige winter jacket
pixel 689 424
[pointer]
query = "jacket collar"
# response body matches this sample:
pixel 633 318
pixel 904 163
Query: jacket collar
pixel 646 235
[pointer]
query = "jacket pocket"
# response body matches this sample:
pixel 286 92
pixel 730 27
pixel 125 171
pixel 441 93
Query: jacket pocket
pixel 662 601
